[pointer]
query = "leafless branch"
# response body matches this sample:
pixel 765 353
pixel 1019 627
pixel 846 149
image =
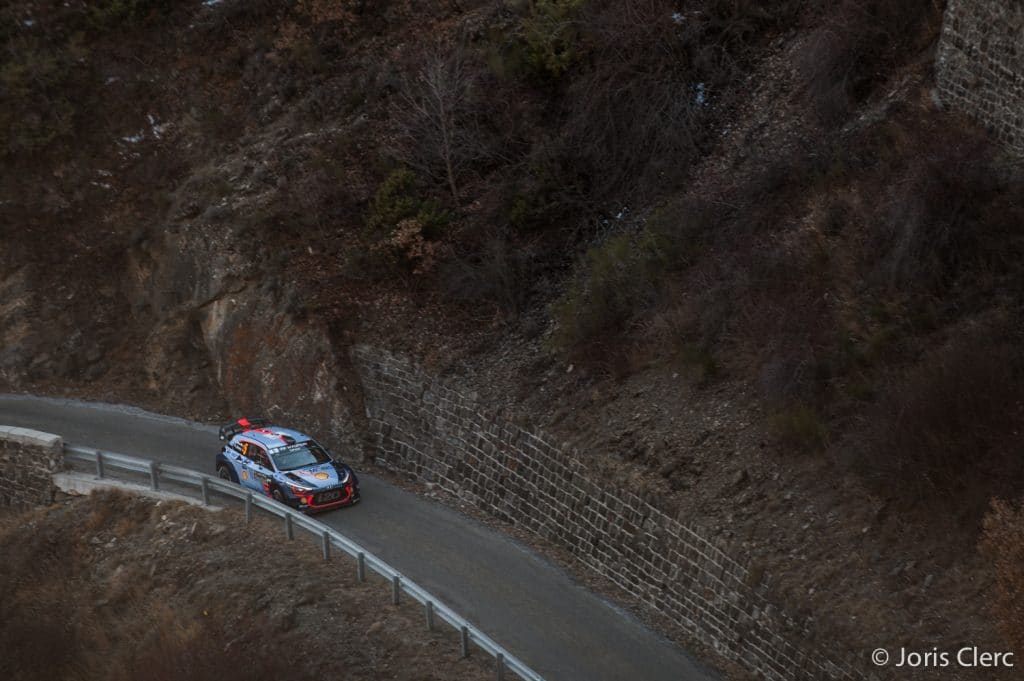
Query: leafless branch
pixel 435 131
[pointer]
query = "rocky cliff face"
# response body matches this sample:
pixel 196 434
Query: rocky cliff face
pixel 214 319
pixel 51 329
pixel 194 324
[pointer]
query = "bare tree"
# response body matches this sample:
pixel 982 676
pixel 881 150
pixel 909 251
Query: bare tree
pixel 436 135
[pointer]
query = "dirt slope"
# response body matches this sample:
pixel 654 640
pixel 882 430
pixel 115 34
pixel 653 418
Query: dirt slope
pixel 114 586
pixel 208 203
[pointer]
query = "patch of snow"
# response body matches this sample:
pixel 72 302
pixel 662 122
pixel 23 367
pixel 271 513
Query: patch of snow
pixel 158 129
pixel 134 139
pixel 212 3
pixel 28 23
pixel 110 80
pixel 700 94
pixel 677 18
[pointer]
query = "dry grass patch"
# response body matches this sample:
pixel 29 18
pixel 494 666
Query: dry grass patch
pixel 140 590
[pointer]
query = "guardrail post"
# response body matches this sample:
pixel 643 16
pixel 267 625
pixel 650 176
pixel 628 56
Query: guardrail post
pixel 499 662
pixel 396 589
pixel 204 485
pixel 430 615
pixel 464 641
pixel 154 475
pixel 289 531
pixel 327 545
pixel 99 464
pixel 361 567
pixel 248 508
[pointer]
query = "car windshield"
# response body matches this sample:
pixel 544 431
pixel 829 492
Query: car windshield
pixel 299 456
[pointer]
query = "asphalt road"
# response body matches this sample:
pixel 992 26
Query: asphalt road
pixel 521 600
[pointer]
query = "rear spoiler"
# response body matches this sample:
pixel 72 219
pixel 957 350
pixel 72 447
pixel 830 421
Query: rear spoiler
pixel 240 426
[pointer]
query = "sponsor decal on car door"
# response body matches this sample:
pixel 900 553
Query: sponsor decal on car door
pixel 247 468
pixel 260 465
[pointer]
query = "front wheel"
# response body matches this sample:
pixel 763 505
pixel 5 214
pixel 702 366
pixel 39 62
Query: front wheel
pixel 277 494
pixel 224 473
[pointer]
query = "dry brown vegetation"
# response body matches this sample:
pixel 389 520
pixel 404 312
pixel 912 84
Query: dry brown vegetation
pixel 831 270
pixel 1003 544
pixel 483 175
pixel 857 44
pixel 948 427
pixel 121 588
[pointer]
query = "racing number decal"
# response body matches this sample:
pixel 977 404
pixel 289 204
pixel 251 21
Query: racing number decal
pixel 245 452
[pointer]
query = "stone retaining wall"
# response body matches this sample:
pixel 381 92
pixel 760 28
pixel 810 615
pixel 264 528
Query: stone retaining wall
pixel 28 460
pixel 431 430
pixel 980 65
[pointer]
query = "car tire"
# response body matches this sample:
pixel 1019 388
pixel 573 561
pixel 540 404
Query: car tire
pixel 277 494
pixel 224 473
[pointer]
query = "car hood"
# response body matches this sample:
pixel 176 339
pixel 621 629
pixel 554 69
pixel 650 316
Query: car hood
pixel 320 476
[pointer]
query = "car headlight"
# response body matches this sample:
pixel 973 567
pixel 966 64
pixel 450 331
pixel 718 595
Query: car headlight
pixel 299 491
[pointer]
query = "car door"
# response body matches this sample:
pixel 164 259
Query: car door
pixel 248 473
pixel 232 453
pixel 261 467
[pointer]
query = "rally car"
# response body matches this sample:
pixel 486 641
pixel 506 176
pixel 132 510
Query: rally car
pixel 285 465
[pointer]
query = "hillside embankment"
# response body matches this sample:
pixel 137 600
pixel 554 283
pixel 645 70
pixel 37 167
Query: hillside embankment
pixel 119 587
pixel 744 261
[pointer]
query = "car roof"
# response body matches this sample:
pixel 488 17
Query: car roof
pixel 272 437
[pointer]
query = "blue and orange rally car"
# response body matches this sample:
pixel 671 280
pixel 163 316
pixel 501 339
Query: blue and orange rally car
pixel 286 465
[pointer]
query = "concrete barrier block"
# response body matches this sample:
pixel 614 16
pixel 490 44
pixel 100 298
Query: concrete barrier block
pixel 27 436
pixel 15 434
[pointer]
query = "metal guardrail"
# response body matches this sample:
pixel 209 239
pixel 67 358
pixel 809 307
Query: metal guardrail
pixel 329 537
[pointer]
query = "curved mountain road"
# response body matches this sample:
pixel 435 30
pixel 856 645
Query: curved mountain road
pixel 523 601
